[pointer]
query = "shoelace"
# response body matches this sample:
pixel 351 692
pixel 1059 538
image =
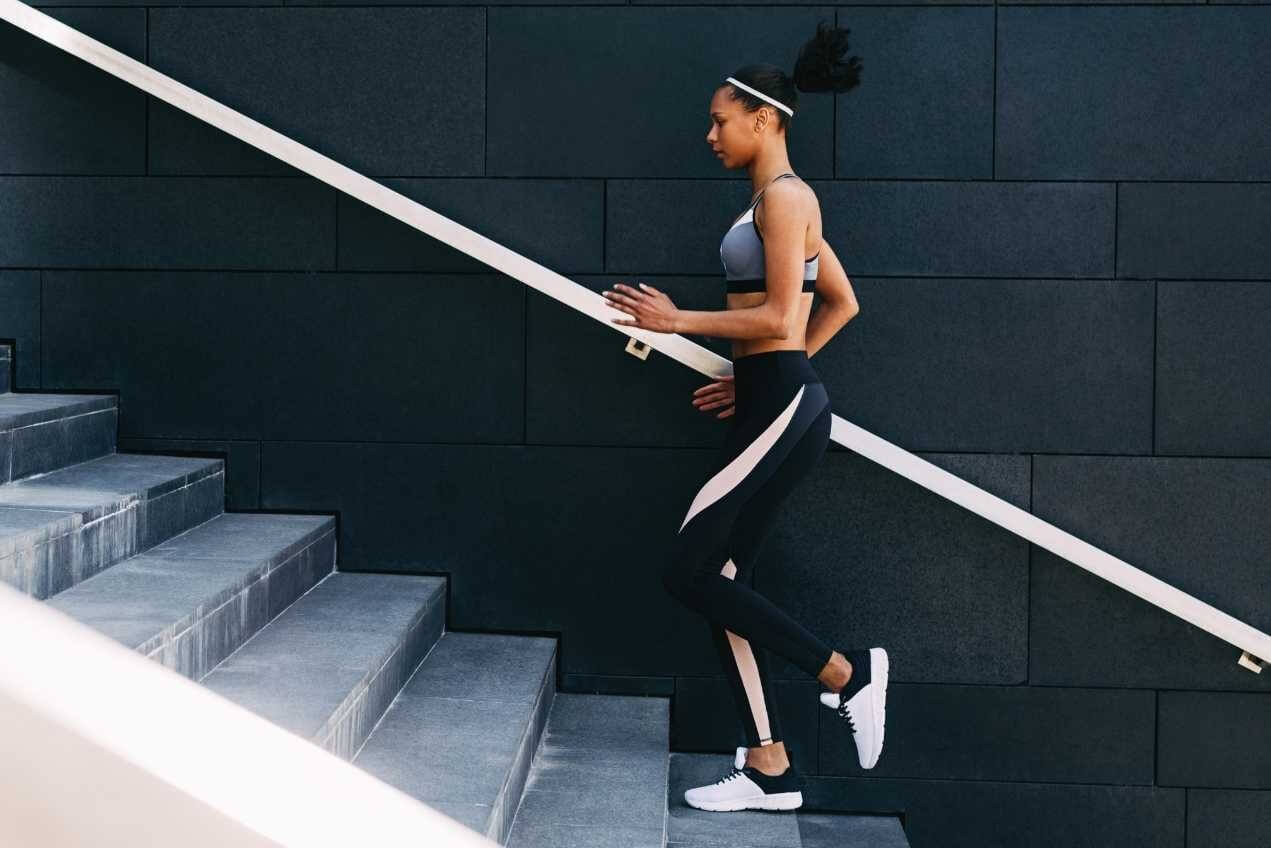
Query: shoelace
pixel 844 712
pixel 736 772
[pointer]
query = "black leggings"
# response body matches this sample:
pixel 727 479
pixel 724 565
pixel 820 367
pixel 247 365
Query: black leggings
pixel 780 430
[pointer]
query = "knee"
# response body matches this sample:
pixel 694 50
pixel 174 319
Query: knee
pixel 679 583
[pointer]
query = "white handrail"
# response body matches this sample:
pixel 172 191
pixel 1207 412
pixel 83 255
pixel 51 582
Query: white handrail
pixel 102 746
pixel 1253 643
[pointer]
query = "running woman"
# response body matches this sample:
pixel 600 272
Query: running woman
pixel 774 258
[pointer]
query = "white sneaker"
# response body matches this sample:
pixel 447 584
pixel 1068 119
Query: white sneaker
pixel 863 702
pixel 747 788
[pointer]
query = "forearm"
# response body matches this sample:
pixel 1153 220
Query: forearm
pixel 751 322
pixel 827 320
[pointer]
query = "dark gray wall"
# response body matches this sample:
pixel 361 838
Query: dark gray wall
pixel 1058 223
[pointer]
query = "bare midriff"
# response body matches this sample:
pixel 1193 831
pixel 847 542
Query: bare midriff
pixel 798 341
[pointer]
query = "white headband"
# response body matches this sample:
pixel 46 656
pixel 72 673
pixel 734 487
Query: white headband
pixel 761 95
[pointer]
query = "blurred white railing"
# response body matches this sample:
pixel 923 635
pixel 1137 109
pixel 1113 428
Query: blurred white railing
pixel 102 746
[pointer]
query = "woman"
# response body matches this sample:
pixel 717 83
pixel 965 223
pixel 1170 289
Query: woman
pixel 780 428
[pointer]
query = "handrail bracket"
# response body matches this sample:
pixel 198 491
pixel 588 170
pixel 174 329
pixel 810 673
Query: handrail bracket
pixel 1250 662
pixel 635 347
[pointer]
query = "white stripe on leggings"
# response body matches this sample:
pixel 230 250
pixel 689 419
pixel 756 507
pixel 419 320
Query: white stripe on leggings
pixel 734 472
pixel 749 671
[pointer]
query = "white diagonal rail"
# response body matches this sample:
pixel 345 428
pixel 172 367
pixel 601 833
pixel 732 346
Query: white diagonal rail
pixel 102 746
pixel 1254 644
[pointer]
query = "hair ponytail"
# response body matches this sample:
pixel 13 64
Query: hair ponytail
pixel 820 66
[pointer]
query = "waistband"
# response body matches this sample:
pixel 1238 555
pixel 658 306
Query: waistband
pixel 778 367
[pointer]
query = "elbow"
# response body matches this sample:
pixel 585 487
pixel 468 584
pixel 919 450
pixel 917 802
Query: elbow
pixel 849 308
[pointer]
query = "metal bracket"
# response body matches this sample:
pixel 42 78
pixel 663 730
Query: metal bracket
pixel 634 347
pixel 1250 662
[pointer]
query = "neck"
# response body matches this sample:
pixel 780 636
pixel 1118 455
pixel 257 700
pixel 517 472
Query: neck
pixel 768 164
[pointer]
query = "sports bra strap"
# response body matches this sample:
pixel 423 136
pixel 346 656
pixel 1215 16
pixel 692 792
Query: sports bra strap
pixel 758 197
pixel 770 182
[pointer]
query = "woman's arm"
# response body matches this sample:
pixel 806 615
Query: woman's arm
pixel 774 318
pixel 838 301
pixel 750 322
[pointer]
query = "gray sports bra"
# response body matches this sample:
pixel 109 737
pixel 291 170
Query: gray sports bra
pixel 741 251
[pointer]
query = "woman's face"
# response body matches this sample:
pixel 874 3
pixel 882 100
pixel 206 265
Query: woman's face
pixel 732 135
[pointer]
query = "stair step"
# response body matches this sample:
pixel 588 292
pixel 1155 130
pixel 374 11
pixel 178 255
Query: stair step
pixel 600 778
pixel 688 827
pixel 60 528
pixel 461 734
pixel 44 432
pixel 328 666
pixel 193 600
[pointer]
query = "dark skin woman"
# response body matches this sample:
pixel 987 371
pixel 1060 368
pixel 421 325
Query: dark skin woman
pixel 780 318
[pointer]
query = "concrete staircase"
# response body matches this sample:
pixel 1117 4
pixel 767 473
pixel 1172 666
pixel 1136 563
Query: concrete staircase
pixel 252 606
pixel 691 828
pixel 600 777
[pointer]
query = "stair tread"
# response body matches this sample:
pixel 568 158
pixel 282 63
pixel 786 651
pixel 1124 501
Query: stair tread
pixel 161 591
pixel 19 522
pixel 601 776
pixel 453 736
pixel 103 481
pixel 304 667
pixel 19 409
pixel 60 527
pixel 688 827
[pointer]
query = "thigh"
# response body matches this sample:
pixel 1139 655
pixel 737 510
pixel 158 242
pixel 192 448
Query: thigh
pixel 757 516
pixel 756 449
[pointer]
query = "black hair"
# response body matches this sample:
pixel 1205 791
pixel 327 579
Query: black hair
pixel 820 67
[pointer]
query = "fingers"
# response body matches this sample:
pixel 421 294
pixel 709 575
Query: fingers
pixel 622 292
pixel 709 397
pixel 717 394
pixel 613 303
pixel 720 383
pixel 617 299
pixel 714 399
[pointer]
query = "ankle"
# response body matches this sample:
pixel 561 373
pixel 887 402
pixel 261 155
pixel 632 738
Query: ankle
pixel 769 759
pixel 837 672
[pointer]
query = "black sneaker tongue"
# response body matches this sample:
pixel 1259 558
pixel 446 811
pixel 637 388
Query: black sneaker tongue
pixel 860 674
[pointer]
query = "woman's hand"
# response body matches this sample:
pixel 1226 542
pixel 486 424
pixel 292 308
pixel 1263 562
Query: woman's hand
pixel 719 393
pixel 652 309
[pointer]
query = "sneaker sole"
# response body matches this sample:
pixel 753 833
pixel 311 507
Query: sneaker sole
pixel 878 667
pixel 776 801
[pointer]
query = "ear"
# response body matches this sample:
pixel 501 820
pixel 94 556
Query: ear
pixel 762 115
pixel 760 120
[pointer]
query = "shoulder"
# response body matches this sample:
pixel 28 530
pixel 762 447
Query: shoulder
pixel 788 197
